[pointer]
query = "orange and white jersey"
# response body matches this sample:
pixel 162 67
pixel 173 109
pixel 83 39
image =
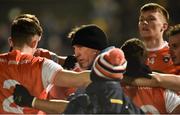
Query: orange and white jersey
pixel 153 100
pixel 53 92
pixel 159 59
pixel 34 73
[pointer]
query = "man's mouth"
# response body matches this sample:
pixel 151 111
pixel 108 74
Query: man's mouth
pixel 145 29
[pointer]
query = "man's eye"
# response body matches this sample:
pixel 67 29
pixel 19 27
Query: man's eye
pixel 151 19
pixel 140 20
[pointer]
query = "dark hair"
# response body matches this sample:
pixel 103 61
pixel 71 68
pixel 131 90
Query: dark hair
pixel 134 49
pixel 173 30
pixel 23 29
pixel 155 7
pixel 135 54
pixel 30 16
pixel 90 36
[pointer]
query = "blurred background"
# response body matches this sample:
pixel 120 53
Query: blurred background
pixel 118 18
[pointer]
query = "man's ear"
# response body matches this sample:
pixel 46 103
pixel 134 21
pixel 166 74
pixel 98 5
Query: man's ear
pixel 33 43
pixel 165 26
pixel 10 42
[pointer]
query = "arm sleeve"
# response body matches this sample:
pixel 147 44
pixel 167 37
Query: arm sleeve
pixel 49 70
pixel 172 100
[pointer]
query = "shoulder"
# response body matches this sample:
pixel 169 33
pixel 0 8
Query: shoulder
pixel 42 53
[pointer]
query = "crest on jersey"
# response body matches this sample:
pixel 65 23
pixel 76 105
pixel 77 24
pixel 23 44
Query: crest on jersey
pixel 151 58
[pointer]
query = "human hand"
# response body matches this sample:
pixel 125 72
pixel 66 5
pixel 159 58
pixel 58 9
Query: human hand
pixel 70 62
pixel 22 97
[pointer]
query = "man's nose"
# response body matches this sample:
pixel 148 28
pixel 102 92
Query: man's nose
pixel 144 22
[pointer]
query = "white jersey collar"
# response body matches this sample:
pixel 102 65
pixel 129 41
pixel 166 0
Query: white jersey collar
pixel 165 44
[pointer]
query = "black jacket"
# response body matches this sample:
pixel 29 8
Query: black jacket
pixel 102 97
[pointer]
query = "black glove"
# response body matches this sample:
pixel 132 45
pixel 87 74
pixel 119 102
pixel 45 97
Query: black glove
pixel 69 62
pixel 22 97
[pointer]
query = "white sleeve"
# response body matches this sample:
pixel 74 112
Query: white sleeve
pixel 172 100
pixel 49 69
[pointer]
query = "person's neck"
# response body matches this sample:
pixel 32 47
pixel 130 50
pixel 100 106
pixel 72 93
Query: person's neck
pixel 25 49
pixel 154 43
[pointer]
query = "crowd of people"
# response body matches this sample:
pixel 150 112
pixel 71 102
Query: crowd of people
pixel 139 77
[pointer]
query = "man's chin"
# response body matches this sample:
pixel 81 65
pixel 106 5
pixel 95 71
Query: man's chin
pixel 146 37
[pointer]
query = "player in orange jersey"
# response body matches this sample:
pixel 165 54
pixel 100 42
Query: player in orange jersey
pixel 169 81
pixel 68 62
pixel 153 22
pixel 20 67
pixel 150 100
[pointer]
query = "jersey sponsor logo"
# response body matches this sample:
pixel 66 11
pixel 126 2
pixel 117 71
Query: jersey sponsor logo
pixel 131 87
pixel 18 62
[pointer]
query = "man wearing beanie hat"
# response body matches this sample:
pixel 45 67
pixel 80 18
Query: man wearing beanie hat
pixel 104 94
pixel 88 41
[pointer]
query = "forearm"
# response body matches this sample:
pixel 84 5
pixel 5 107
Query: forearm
pixel 53 106
pixel 141 82
pixel 67 78
pixel 169 81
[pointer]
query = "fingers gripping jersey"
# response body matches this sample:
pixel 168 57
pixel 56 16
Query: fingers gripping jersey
pixel 47 54
pixel 17 68
pixel 159 60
